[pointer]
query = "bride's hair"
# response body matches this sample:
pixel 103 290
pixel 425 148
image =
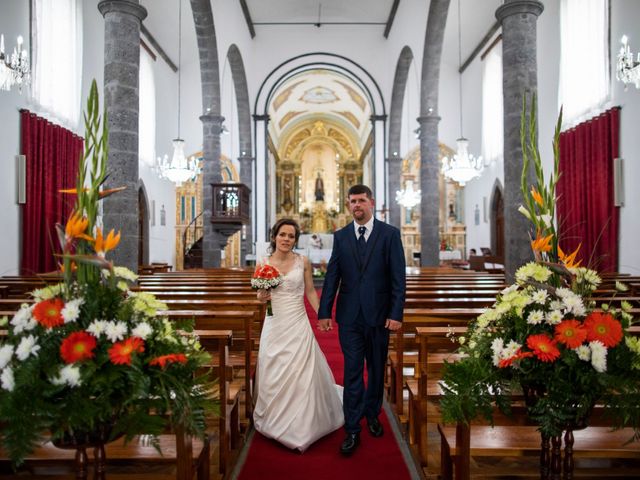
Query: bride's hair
pixel 276 228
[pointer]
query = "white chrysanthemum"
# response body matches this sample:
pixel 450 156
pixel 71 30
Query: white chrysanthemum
pixel 142 330
pixel 27 346
pixel 115 331
pixel 22 319
pixel 97 328
pixel 502 308
pixel 621 287
pixel 584 353
pixel 8 382
pixel 71 310
pixel 598 356
pixel 556 305
pixel 540 296
pixel 573 304
pixel 69 375
pixel 586 276
pixel 125 273
pixel 509 289
pixel 496 347
pixel 554 317
pixel 535 317
pixel 472 344
pixel 122 286
pixel 47 293
pixel 511 349
pixel 6 352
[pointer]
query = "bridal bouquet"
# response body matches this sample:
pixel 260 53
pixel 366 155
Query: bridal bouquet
pixel 545 337
pixel 266 277
pixel 89 355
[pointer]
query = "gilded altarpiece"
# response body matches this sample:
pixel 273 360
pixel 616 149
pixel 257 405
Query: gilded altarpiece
pixel 316 165
pixel 451 229
pixel 189 221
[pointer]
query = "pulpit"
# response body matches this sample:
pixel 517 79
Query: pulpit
pixel 230 209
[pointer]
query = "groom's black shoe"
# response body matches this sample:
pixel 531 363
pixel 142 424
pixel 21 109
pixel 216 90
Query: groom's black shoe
pixel 375 427
pixel 350 443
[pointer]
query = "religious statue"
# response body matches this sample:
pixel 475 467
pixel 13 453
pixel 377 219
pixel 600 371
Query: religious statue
pixel 319 190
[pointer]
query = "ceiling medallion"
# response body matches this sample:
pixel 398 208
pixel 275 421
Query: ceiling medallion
pixel 319 95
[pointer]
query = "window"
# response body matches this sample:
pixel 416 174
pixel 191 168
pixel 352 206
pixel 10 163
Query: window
pixel 57 60
pixel 492 101
pixel 584 58
pixel 147 119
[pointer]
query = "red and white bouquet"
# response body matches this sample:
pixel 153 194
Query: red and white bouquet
pixel 266 277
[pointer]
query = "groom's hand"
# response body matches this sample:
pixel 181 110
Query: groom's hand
pixel 324 324
pixel 393 325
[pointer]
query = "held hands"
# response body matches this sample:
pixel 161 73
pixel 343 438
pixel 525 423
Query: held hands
pixel 324 324
pixel 392 325
pixel 264 295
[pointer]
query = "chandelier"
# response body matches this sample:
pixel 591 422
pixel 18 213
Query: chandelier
pixel 463 167
pixel 408 197
pixel 179 169
pixel 14 68
pixel 627 69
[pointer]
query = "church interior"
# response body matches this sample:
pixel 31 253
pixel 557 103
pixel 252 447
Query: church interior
pixel 226 116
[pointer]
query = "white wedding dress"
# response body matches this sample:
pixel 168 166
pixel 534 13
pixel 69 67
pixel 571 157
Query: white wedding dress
pixel 298 400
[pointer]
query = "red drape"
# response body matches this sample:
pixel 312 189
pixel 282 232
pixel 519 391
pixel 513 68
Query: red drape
pixel 586 213
pixel 52 156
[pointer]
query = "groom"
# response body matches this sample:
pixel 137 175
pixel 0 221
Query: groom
pixel 367 267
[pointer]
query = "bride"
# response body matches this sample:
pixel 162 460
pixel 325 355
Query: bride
pixel 298 401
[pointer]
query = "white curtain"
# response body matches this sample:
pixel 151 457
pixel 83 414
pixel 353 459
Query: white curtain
pixel 57 60
pixel 492 101
pixel 584 58
pixel 147 118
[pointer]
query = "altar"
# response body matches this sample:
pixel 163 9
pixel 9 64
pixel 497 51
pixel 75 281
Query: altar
pixel 317 252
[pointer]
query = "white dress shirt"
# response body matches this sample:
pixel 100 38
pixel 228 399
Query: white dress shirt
pixel 368 226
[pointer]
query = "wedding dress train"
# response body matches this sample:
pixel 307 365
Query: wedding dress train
pixel 298 401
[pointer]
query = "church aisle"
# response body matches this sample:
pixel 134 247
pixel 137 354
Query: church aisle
pixel 376 458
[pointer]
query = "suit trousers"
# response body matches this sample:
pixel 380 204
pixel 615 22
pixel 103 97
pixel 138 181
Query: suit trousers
pixel 360 342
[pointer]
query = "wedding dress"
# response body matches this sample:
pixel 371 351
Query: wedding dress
pixel 298 401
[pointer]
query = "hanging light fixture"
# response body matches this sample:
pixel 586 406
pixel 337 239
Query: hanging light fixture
pixel 408 197
pixel 463 167
pixel 627 68
pixel 179 169
pixel 14 68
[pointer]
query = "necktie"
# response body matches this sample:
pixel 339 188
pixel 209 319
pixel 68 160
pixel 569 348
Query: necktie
pixel 362 243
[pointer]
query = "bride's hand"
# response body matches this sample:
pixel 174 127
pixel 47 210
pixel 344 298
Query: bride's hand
pixel 264 295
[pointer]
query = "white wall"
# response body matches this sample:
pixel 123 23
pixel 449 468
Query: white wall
pixel 14 21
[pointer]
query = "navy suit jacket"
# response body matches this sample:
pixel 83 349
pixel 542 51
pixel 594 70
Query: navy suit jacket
pixel 375 285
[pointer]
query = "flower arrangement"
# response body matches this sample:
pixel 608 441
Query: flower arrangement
pixel 266 277
pixel 89 352
pixel 544 337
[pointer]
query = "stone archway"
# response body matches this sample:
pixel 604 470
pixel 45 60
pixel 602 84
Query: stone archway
pixel 395 128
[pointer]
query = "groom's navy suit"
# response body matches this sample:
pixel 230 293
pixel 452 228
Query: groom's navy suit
pixel 370 282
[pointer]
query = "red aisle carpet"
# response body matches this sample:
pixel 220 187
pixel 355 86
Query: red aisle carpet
pixel 376 458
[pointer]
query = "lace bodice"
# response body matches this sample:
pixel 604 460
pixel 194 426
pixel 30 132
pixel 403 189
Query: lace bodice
pixel 293 284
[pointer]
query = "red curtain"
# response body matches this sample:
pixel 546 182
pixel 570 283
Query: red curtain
pixel 52 157
pixel 586 213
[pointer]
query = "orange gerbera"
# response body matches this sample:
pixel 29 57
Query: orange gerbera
pixel 77 347
pixel 569 260
pixel 76 226
pixel 163 360
pixel 571 333
pixel 541 244
pixel 507 362
pixel 536 196
pixel 120 353
pixel 266 272
pixel 544 347
pixel 48 313
pixel 102 245
pixel 604 328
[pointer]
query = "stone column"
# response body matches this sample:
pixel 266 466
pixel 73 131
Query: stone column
pixel 429 119
pixel 519 70
pixel 212 241
pixel 395 184
pixel 246 177
pixel 379 180
pixel 430 203
pixel 261 123
pixel 122 20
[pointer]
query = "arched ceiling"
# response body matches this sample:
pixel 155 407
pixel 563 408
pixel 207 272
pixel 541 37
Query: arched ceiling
pixel 315 94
